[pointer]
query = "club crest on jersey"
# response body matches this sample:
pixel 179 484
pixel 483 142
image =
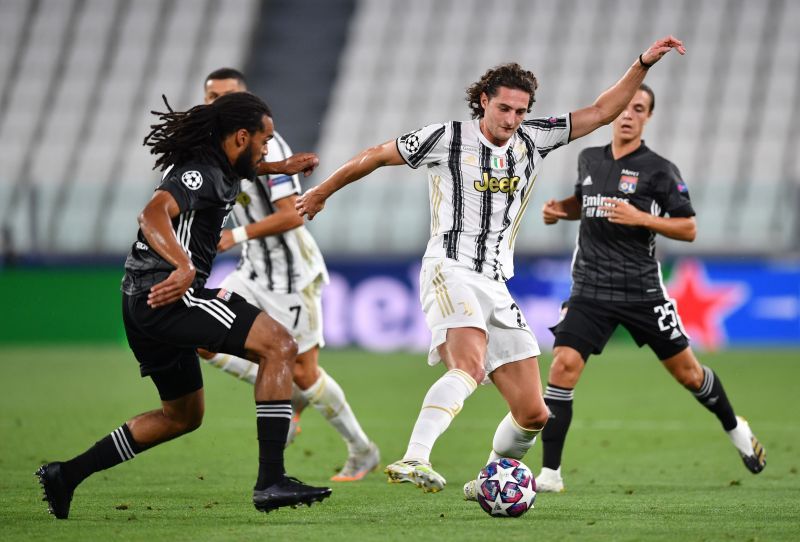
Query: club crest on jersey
pixel 628 181
pixel 243 199
pixel 493 184
pixel 224 294
pixel 192 179
pixel 498 162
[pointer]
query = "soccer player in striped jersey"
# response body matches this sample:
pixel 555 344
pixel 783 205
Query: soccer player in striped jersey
pixel 624 196
pixel 480 177
pixel 281 271
pixel 168 312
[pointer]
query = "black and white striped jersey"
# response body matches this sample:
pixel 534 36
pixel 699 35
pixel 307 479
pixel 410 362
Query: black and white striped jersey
pixel 205 197
pixel 613 262
pixel 478 191
pixel 284 263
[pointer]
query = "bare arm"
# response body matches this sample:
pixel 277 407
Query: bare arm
pixel 566 209
pixel 156 224
pixel 304 162
pixel 612 102
pixel 284 218
pixel 680 228
pixel 354 169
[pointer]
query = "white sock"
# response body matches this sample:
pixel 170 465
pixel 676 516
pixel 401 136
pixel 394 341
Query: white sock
pixel 441 404
pixel 512 440
pixel 238 367
pixel 327 397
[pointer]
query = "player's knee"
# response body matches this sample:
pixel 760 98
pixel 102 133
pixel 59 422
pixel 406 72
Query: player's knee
pixel 566 367
pixel 187 421
pixel 305 375
pixel 276 345
pixel 532 417
pixel 476 371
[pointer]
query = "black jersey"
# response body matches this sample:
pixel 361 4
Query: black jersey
pixel 614 262
pixel 205 195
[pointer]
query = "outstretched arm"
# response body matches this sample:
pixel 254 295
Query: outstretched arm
pixel 301 161
pixel 612 102
pixel 156 224
pixel 284 218
pixel 354 169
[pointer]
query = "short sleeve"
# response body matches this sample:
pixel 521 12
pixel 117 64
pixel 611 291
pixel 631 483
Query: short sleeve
pixel 583 172
pixel 425 146
pixel 673 194
pixel 548 133
pixel 193 186
pixel 281 186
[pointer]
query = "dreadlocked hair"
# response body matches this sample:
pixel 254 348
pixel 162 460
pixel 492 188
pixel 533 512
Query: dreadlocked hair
pixel 197 134
pixel 507 75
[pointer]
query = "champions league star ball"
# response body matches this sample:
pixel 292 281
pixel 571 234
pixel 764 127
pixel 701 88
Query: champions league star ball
pixel 506 488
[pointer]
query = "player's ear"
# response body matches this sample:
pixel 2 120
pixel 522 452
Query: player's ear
pixel 484 100
pixel 242 137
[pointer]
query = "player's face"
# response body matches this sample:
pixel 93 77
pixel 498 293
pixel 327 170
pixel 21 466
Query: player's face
pixel 253 149
pixel 629 125
pixel 503 113
pixel 220 87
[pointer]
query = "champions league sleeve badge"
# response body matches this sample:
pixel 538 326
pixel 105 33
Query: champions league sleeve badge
pixel 192 179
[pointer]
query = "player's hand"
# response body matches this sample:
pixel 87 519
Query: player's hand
pixel 225 241
pixel 662 47
pixel 552 212
pixel 623 213
pixel 172 288
pixel 304 162
pixel 310 203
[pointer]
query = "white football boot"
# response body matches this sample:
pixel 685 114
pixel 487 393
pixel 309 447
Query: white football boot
pixel 750 449
pixel 418 473
pixel 359 465
pixel 550 481
pixel 471 490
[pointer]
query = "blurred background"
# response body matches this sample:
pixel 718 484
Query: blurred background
pixel 78 79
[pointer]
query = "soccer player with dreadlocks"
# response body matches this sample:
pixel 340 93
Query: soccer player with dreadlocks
pixel 167 312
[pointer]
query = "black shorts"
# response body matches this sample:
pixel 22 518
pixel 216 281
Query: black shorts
pixel 164 340
pixel 587 324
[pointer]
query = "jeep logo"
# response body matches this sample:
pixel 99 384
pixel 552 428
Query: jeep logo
pixel 493 184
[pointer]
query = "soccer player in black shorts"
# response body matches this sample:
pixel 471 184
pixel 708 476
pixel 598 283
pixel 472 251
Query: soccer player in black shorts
pixel 168 313
pixel 624 196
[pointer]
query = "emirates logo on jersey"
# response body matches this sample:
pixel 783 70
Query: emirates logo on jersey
pixel 192 179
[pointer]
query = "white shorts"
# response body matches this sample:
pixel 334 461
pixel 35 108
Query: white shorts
pixel 453 296
pixel 300 313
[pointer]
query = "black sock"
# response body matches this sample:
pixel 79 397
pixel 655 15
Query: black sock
pixel 107 452
pixel 272 421
pixel 559 401
pixel 712 396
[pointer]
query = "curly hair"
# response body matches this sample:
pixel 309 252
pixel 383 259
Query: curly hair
pixel 510 75
pixel 198 133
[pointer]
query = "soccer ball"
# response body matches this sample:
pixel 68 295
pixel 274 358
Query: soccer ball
pixel 506 488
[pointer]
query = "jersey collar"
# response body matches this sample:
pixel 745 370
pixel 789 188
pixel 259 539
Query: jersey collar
pixel 640 150
pixel 487 143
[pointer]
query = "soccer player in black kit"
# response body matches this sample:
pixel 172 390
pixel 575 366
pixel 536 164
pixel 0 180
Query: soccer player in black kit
pixel 168 313
pixel 625 195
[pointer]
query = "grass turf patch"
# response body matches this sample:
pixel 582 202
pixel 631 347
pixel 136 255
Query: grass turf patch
pixel 643 459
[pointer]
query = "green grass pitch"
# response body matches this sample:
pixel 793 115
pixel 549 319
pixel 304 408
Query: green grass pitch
pixel 643 461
